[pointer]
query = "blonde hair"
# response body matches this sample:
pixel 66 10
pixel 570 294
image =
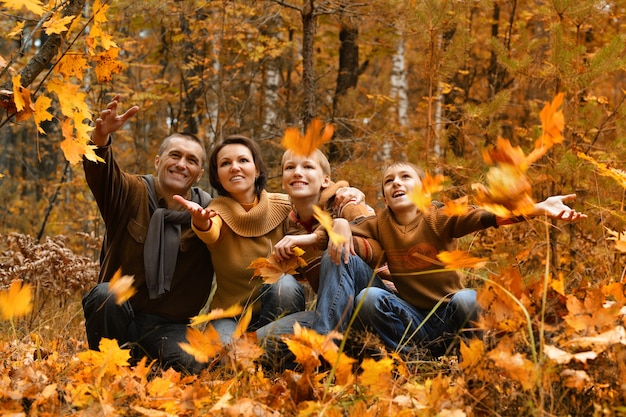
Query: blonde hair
pixel 316 155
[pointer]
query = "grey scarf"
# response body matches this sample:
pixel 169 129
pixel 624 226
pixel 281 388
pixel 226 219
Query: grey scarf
pixel 163 239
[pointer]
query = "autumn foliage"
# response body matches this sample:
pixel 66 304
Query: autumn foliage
pixel 484 109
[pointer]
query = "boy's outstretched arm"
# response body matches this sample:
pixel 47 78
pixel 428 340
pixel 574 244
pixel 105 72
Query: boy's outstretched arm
pixel 555 208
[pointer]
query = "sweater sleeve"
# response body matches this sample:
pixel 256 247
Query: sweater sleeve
pixel 210 236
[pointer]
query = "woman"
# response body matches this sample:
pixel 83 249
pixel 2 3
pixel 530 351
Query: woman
pixel 241 225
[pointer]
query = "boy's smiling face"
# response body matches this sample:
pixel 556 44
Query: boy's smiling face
pixel 303 176
pixel 398 182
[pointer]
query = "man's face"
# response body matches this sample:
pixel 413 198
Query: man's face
pixel 179 167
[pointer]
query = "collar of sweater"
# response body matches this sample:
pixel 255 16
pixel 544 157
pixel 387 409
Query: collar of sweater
pixel 272 210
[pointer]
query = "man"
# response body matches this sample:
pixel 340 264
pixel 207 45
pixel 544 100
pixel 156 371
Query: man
pixel 148 236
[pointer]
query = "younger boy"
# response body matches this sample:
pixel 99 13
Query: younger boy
pixel 430 303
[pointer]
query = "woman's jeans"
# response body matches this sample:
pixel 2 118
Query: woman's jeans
pixel 282 298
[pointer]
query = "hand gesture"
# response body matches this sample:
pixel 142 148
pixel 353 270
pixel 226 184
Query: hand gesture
pixel 555 208
pixel 109 121
pixel 348 195
pixel 284 248
pixel 200 217
pixel 345 248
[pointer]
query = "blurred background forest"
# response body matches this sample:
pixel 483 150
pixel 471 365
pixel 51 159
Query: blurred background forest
pixel 434 82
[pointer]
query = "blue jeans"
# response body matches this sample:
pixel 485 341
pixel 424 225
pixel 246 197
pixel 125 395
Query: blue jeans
pixel 400 325
pixel 144 334
pixel 284 297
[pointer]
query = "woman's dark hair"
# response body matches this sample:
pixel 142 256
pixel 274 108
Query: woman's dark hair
pixel 257 157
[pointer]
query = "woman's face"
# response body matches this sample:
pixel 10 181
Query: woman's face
pixel 237 172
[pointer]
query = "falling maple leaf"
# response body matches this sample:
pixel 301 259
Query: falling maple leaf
pixel 17 301
pixel 457 207
pixel 326 221
pixel 271 269
pixel 422 196
pixel 215 314
pixel 459 259
pixel 202 345
pixel 122 287
pixel 316 135
pixel 243 323
pixel 72 65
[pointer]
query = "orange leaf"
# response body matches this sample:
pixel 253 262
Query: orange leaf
pixel 271 269
pixel 515 365
pixel 459 259
pixel 17 301
pixel 242 325
pixel 422 197
pixel 456 207
pixel 72 65
pixel 316 135
pixel 326 221
pixel 122 287
pixel 377 375
pixel 215 314
pixel 472 354
pixel 107 65
pixel 202 345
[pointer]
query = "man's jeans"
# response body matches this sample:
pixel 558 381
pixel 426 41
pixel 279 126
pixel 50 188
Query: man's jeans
pixel 348 287
pixel 145 334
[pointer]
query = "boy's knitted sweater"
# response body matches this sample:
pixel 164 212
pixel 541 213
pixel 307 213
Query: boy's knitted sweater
pixel 313 254
pixel 411 250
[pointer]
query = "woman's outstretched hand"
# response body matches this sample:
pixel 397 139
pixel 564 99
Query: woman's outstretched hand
pixel 200 216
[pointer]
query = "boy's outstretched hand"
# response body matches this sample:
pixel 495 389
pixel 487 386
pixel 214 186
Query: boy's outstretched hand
pixel 555 208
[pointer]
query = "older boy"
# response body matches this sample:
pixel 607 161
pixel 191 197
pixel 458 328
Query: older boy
pixel 430 303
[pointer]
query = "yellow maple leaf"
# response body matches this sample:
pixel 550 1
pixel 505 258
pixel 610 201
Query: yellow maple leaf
pixel 326 221
pixel 72 150
pixel 57 24
pixel 202 345
pixel 316 135
pixel 422 196
pixel 122 287
pixel 15 32
pixel 21 98
pixel 307 345
pixel 271 269
pixel 72 65
pixel 377 375
pixel 215 314
pixel 507 192
pixel 606 171
pixel 472 354
pixel 17 301
pixel 42 105
pixel 459 259
pixel 107 65
pixel 33 6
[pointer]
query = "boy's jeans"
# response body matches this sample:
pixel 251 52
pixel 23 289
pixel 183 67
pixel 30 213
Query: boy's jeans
pixel 399 324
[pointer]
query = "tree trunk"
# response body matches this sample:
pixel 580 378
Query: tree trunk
pixel 308 70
